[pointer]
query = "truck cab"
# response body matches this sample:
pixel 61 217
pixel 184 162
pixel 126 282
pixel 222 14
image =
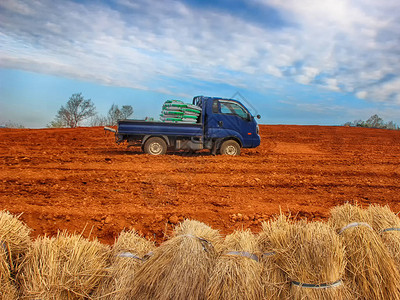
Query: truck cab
pixel 228 120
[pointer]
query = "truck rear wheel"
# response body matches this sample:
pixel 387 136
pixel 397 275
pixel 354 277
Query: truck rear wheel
pixel 230 147
pixel 155 146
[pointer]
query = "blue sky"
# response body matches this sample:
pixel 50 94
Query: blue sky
pixel 296 62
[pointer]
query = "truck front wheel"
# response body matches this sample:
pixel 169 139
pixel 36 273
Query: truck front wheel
pixel 230 147
pixel 155 146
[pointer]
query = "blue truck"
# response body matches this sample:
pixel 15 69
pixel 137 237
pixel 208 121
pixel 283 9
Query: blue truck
pixel 224 127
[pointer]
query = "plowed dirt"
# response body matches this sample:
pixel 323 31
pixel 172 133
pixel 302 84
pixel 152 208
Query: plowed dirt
pixel 81 181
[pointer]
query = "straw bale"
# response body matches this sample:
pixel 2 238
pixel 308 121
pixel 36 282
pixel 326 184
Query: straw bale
pixel 387 224
pixel 275 242
pixel 127 255
pixel 237 272
pixel 370 271
pixel 179 268
pixel 201 230
pixel 14 237
pixel 8 290
pixel 131 241
pixel 316 263
pixel 40 270
pixel 63 267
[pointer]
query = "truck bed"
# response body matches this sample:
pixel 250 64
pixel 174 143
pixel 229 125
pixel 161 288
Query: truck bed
pixel 140 128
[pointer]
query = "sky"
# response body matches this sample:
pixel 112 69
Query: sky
pixel 306 62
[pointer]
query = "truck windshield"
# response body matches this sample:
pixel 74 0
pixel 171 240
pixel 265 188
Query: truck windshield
pixel 232 108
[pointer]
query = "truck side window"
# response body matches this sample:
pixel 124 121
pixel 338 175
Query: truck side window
pixel 233 109
pixel 215 109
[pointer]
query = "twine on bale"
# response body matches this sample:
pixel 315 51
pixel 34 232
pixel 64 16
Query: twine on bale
pixel 129 255
pixel 147 255
pixel 318 286
pixel 391 229
pixel 267 254
pixel 244 254
pixel 354 224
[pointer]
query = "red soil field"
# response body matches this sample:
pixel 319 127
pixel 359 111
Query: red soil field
pixel 81 181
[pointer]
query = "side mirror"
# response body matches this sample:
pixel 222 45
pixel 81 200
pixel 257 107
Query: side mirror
pixel 258 117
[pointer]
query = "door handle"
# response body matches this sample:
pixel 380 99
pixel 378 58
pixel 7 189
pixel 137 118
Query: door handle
pixel 220 123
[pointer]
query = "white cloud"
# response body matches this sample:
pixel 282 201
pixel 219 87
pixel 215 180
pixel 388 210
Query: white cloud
pixel 352 42
pixel 362 94
pixel 15 6
pixel 387 90
pixel 307 75
pixel 349 46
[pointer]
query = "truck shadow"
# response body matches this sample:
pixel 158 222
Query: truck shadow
pixel 169 153
pixel 190 153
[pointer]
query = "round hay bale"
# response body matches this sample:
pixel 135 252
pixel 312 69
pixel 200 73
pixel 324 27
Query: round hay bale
pixel 237 272
pixel 275 242
pixel 370 271
pixel 179 268
pixel 63 267
pixel 386 223
pixel 127 255
pixel 14 239
pixel 316 263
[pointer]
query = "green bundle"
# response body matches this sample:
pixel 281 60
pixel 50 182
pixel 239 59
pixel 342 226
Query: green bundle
pixel 176 111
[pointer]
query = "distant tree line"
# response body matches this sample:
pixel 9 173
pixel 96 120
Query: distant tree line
pixel 78 109
pixel 373 122
pixel 10 124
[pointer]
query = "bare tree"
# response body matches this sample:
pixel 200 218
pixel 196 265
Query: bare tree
pixel 75 111
pixel 10 124
pixel 126 111
pixel 115 114
pixel 56 123
pixel 98 121
pixel 392 125
pixel 375 122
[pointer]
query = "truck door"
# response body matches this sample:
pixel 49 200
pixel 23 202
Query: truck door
pixel 232 118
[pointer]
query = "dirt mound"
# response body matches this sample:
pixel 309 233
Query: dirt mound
pixel 80 180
